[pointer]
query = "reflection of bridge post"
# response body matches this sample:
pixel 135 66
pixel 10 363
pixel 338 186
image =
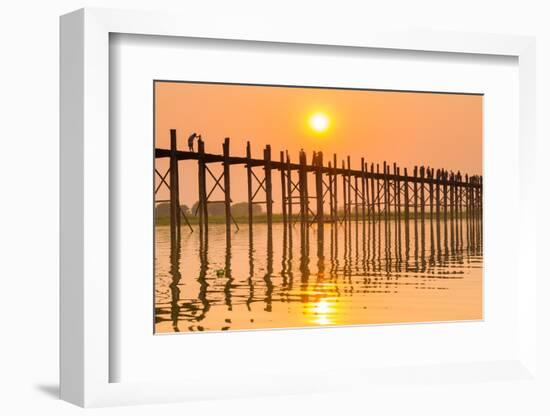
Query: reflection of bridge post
pixel 175 254
pixel 304 261
pixel 203 290
pixel 250 298
pixel 228 272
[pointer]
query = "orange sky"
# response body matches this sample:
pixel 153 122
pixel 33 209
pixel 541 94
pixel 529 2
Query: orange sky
pixel 439 130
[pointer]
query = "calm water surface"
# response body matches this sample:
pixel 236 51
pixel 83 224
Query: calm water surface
pixel 359 273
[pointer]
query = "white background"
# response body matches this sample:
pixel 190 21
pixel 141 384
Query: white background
pixel 29 209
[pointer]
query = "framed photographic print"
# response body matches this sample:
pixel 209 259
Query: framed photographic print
pixel 287 233
pixel 291 213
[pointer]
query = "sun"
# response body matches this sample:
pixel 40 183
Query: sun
pixel 319 122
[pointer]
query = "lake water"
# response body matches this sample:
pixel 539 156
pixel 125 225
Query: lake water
pixel 359 273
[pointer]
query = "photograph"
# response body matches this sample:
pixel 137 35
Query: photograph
pixel 288 206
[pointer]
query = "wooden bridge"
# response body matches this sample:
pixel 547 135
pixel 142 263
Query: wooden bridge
pixel 370 193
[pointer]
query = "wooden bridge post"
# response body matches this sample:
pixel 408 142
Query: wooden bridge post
pixel 372 197
pixel 458 179
pixel 366 190
pixel 356 199
pixel 438 196
pixel 467 203
pixel 457 205
pixel 348 174
pixel 268 187
pixel 406 197
pixel 386 192
pixel 397 192
pixel 306 195
pixel 249 185
pixel 476 199
pixel 335 186
pixel 422 192
pixel 397 200
pixel 452 207
pixel 319 194
pixel 203 203
pixel 431 174
pixel 458 199
pixel 289 190
pixel 363 190
pixel 227 186
pixel 445 190
pixel 283 189
pixel 406 192
pixel 480 197
pixel 175 218
pixel 303 186
pixel 415 190
pixel 345 194
pixel 330 191
pixel 378 187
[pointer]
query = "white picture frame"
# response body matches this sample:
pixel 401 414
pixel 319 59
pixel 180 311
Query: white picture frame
pixel 85 166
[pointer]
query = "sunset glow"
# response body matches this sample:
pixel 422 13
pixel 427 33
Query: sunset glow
pixel 319 122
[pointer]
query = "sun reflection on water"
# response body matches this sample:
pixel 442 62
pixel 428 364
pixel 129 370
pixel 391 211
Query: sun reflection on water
pixel 323 312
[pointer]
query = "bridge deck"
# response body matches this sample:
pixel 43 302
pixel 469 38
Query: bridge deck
pixel 238 160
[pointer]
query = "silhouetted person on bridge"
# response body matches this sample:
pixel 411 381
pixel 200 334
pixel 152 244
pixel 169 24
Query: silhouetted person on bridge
pixel 191 141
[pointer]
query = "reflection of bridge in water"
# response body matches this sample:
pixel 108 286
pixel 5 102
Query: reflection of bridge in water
pixel 370 256
pixel 387 226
